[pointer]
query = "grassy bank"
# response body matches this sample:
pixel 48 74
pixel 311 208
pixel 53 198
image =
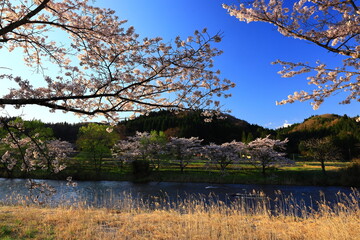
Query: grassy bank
pixel 303 173
pixel 192 219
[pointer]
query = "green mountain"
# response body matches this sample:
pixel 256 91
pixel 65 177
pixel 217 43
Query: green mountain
pixel 343 130
pixel 192 124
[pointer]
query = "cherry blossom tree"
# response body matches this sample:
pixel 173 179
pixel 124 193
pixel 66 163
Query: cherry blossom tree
pixel 267 152
pixel 143 146
pixel 183 150
pixel 329 24
pixel 130 149
pixel 150 146
pixel 31 149
pixel 124 151
pixel 104 68
pixel 223 155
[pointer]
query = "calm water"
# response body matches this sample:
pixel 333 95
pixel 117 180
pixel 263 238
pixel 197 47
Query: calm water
pixel 107 193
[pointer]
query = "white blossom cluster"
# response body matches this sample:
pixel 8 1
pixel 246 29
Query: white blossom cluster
pixel 183 150
pixel 331 24
pixel 267 152
pixel 141 146
pixel 30 151
pixel 224 154
pixel 40 192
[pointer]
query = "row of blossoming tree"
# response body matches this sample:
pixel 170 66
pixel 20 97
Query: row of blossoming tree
pixel 30 146
pixel 153 147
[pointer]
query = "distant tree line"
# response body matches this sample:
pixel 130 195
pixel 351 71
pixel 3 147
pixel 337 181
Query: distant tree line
pixel 183 124
pixel 342 131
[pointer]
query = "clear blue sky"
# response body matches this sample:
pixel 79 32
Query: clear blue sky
pixel 248 51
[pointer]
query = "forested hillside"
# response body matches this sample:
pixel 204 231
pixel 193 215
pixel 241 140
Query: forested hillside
pixel 343 132
pixel 65 131
pixel 192 124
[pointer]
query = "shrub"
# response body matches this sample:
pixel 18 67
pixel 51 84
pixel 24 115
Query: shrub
pixel 141 168
pixel 350 175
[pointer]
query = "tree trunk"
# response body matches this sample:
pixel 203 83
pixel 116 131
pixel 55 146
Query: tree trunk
pixel 182 168
pixel 263 170
pixel 323 167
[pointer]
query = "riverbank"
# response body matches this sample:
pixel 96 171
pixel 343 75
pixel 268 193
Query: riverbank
pixel 303 173
pixel 189 220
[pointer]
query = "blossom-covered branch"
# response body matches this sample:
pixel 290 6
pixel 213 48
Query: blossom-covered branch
pixel 330 24
pixel 104 67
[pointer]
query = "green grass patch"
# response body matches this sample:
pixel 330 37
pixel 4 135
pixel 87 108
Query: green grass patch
pixel 5 231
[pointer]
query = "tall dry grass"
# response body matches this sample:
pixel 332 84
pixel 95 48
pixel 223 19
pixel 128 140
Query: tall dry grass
pixel 191 218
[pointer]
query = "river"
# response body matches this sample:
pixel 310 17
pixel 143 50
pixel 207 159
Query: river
pixel 108 193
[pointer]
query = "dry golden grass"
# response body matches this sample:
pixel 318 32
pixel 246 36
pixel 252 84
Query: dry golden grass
pixel 191 219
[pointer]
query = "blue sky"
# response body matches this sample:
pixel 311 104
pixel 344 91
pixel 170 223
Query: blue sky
pixel 248 49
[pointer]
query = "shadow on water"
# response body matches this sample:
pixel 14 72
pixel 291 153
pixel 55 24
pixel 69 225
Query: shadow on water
pixel 275 199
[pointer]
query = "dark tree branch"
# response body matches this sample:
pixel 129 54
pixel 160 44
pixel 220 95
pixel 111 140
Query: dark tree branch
pixel 24 20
